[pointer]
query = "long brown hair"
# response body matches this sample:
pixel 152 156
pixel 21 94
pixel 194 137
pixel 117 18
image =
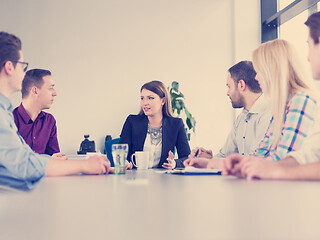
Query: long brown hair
pixel 158 88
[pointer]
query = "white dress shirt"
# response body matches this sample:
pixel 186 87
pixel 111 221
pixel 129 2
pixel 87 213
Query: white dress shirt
pixel 248 130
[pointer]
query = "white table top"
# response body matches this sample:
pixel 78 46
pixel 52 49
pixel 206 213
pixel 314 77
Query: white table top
pixel 150 205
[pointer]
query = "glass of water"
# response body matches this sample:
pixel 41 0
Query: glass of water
pixel 119 155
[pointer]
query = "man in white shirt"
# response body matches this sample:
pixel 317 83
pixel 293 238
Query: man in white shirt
pixel 303 164
pixel 249 127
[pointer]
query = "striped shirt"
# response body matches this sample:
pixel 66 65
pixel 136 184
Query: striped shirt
pixel 298 120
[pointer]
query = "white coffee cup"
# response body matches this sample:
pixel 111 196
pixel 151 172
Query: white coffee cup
pixel 141 160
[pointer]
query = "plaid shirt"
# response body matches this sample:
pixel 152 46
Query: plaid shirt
pixel 298 120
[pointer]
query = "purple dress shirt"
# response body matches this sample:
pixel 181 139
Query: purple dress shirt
pixel 41 134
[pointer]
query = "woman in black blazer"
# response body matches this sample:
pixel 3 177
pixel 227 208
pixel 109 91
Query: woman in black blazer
pixel 155 130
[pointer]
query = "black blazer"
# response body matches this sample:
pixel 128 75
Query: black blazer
pixel 134 133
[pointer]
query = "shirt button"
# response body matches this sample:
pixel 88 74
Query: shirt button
pixel 246 121
pixel 34 137
pixel 244 137
pixel 242 153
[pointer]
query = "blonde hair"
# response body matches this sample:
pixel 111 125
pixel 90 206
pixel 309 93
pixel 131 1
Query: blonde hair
pixel 280 73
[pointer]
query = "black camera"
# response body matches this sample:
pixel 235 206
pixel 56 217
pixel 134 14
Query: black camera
pixel 87 145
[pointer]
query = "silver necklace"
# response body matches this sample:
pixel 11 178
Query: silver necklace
pixel 155 134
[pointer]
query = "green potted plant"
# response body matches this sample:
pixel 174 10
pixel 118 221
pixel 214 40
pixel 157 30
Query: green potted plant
pixel 178 107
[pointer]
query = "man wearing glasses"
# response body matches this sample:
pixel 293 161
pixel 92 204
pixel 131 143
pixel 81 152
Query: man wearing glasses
pixel 20 167
pixel 37 127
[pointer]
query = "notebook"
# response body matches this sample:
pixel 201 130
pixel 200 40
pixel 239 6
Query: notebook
pixel 195 171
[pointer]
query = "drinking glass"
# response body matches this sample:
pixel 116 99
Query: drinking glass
pixel 119 155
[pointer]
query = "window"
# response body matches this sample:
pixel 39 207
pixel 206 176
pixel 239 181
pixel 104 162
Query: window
pixel 284 3
pixel 275 13
pixel 285 19
pixel 295 32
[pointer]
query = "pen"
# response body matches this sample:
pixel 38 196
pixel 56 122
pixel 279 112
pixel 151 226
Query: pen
pixel 197 153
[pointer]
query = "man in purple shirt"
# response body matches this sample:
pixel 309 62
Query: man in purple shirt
pixel 37 127
pixel 20 166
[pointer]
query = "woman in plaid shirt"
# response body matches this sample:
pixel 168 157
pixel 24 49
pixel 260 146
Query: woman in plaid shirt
pixel 292 102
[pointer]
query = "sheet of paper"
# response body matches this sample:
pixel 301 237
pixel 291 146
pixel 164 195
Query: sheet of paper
pixel 194 171
pixel 201 170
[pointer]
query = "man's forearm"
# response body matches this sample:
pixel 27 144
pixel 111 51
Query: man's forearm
pixel 215 163
pixel 288 161
pixel 291 169
pixel 309 171
pixel 57 167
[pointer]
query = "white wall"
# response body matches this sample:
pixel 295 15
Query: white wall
pixel 247 28
pixel 102 51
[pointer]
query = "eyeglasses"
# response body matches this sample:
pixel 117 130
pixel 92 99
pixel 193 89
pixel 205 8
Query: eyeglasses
pixel 25 64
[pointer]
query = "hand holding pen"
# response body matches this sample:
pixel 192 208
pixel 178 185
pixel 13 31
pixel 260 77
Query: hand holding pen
pixel 194 161
pixel 203 153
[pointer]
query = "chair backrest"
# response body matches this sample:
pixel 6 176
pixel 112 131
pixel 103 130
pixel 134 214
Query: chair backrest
pixel 107 146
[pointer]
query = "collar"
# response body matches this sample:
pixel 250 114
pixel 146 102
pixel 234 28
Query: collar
pixel 5 103
pixel 259 105
pixel 25 116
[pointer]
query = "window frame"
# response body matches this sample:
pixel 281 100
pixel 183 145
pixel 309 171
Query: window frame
pixel 272 19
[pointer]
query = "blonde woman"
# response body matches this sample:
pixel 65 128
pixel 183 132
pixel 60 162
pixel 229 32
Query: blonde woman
pixel 292 102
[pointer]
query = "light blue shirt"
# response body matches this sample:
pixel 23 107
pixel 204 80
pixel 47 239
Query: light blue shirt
pixel 20 167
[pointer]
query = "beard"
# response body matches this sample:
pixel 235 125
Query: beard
pixel 239 102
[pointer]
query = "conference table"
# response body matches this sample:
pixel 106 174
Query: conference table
pixel 148 204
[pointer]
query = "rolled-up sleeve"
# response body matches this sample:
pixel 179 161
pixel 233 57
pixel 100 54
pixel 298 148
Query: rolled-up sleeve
pixel 310 151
